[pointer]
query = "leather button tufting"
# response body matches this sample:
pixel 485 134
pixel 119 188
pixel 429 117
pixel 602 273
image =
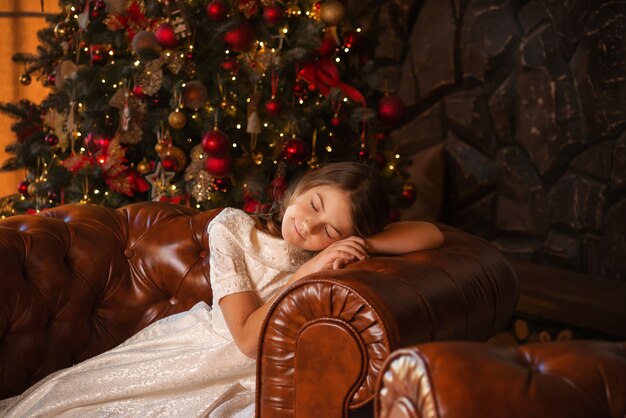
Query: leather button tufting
pixel 204 253
pixel 129 253
pixel 173 301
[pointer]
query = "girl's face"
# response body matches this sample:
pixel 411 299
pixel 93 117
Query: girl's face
pixel 317 218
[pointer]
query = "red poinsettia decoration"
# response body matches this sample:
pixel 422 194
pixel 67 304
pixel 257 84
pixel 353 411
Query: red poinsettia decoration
pixel 112 161
pixel 324 75
pixel 133 20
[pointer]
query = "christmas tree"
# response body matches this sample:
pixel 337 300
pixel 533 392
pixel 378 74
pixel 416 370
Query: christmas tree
pixel 205 103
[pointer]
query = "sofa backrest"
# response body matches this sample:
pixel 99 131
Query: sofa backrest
pixel 77 280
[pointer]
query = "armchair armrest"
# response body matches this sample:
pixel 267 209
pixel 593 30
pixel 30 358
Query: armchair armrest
pixel 469 379
pixel 325 338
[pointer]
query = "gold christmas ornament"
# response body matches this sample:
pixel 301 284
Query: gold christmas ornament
pixel 25 79
pixel 60 29
pixel 197 153
pixel 160 147
pixel 257 157
pixel 32 189
pixel 177 119
pixel 144 167
pixel 332 12
pixel 224 104
pixel 203 186
pixel 151 78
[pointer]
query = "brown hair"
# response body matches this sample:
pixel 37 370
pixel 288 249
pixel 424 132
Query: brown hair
pixel 368 196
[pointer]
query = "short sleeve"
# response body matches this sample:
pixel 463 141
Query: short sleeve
pixel 227 264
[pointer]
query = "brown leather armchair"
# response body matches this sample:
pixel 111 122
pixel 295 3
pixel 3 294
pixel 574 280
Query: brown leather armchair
pixel 585 379
pixel 77 280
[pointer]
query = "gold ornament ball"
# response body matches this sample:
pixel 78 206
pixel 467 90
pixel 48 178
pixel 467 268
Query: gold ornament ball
pixel 224 104
pixel 332 12
pixel 144 167
pixel 32 189
pixel 257 157
pixel 160 147
pixel 197 154
pixel 25 79
pixel 60 29
pixel 177 120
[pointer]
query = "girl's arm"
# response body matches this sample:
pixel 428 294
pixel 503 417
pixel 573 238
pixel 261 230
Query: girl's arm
pixel 244 316
pixel 405 237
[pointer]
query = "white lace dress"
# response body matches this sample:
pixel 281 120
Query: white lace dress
pixel 185 365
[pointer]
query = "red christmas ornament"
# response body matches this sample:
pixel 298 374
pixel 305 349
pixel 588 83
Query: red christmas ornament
pixel 98 9
pixel 351 39
pixel 408 193
pixel 218 166
pixel 22 187
pixel 138 91
pixel 273 14
pixel 190 55
pixel 230 64
pixel 364 154
pixel 295 151
pixel 273 107
pixel 221 184
pixel 165 35
pixel 336 121
pixel 97 54
pixel 298 89
pixel 215 142
pixel 95 143
pixel 217 10
pixel 170 163
pixel 391 110
pixel 327 48
pixel 51 139
pixel 241 37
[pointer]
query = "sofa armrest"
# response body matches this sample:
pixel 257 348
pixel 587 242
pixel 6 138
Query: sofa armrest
pixel 469 379
pixel 326 337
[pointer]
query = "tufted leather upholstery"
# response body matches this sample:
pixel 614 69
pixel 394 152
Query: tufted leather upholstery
pixel 77 280
pixel 463 379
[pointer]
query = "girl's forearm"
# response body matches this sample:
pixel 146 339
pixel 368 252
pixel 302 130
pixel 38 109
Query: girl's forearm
pixel 405 237
pixel 250 331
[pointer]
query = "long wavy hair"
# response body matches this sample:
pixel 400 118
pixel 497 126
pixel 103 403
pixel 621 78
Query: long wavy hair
pixel 368 196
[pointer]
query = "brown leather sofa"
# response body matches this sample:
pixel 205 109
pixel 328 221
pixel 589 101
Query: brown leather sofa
pixel 574 379
pixel 77 280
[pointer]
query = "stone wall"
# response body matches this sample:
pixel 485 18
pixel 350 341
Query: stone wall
pixel 529 98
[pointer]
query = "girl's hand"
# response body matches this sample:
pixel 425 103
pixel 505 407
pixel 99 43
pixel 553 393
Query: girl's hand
pixel 338 254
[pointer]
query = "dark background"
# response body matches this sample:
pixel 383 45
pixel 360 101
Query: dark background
pixel 518 109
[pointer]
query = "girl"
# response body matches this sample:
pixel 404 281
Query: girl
pixel 202 362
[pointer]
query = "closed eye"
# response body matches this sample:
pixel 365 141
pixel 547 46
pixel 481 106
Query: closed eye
pixel 327 234
pixel 313 207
